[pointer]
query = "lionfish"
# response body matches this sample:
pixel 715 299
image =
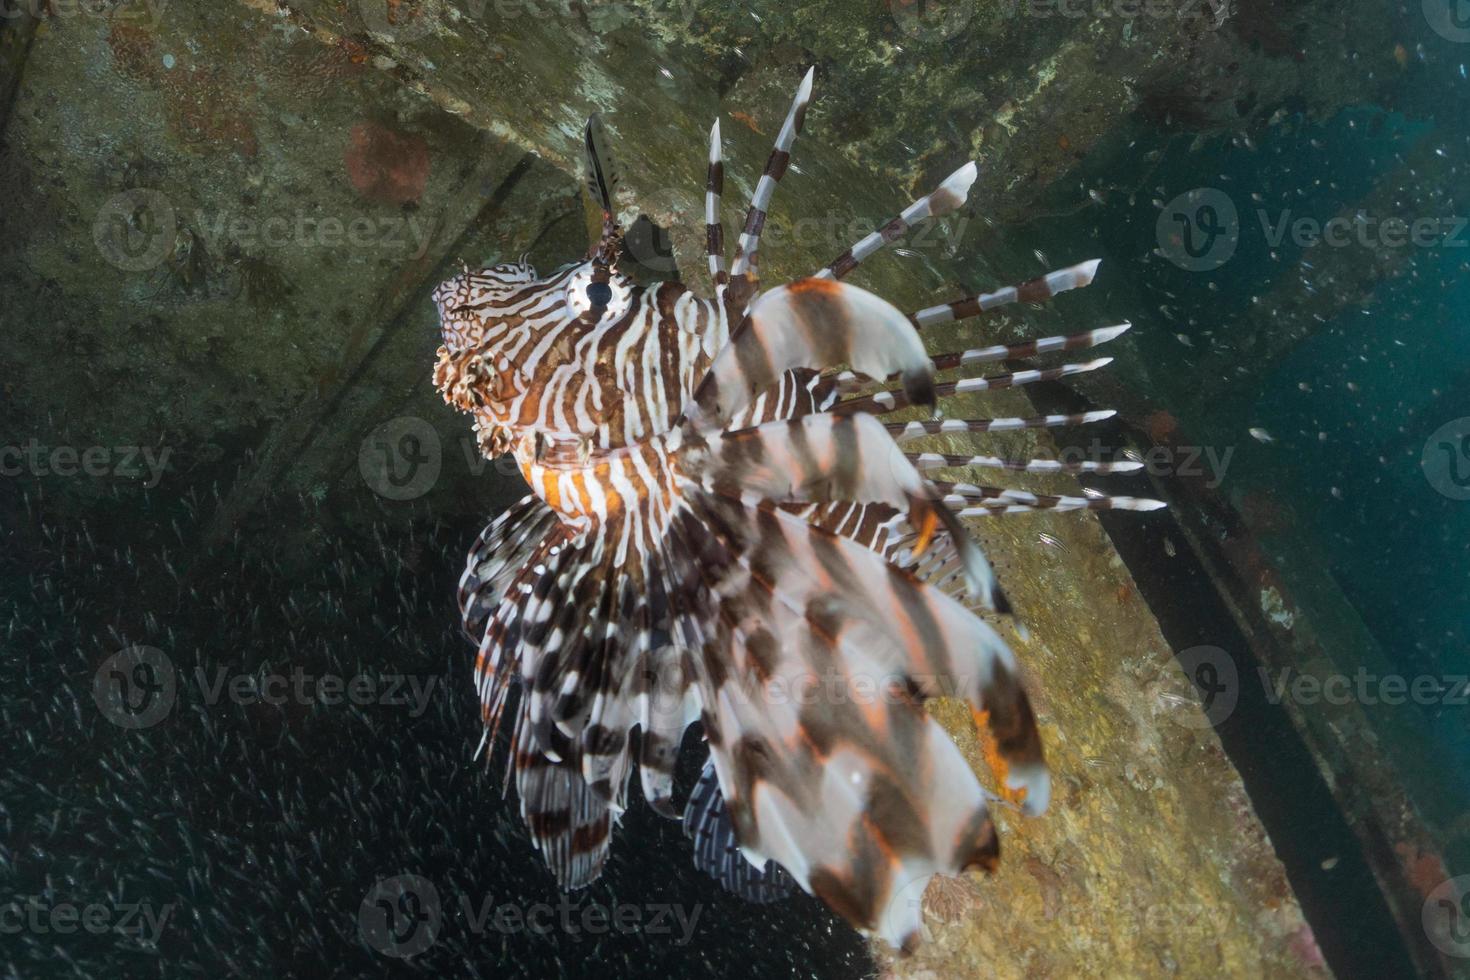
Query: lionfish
pixel 723 528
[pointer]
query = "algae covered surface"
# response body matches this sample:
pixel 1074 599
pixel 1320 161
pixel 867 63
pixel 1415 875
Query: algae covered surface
pixel 221 225
pixel 1150 861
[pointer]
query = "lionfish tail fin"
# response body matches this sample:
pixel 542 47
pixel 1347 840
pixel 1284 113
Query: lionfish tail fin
pixel 717 850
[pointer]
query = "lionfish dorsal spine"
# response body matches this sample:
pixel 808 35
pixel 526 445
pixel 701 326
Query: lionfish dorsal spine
pixel 780 158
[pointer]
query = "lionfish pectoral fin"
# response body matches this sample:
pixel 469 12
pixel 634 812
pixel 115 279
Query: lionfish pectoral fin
pixel 826 762
pixel 1037 290
pixel 814 324
pixel 948 196
pixel 848 785
pixel 717 851
pixel 667 711
pixel 828 458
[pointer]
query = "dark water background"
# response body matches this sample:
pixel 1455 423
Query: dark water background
pixel 266 828
pixel 274 824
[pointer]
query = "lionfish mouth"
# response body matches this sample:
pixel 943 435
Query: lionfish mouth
pixel 734 529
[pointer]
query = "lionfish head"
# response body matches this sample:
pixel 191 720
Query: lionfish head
pixel 475 372
pixel 493 319
pixel 475 302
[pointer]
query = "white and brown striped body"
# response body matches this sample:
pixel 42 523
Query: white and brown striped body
pixel 580 403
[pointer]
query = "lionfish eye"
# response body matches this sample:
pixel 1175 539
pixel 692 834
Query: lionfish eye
pixel 599 293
